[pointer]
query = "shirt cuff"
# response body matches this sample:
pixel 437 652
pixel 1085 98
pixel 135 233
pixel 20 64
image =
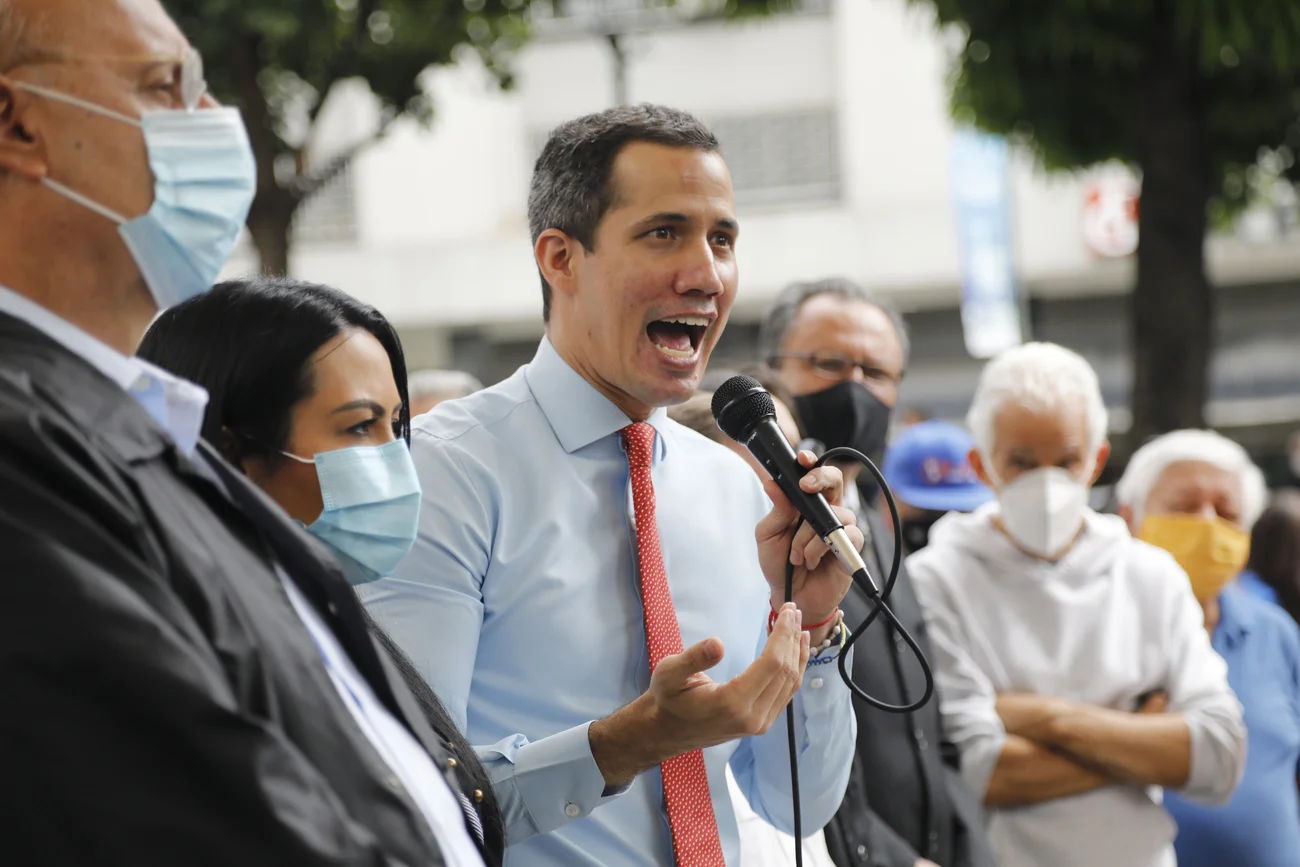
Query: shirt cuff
pixel 557 778
pixel 823 691
pixel 979 758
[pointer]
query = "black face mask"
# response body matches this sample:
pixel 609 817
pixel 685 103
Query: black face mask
pixel 846 415
pixel 916 531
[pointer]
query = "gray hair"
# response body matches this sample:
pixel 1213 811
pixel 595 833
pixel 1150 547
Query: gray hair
pixel 450 384
pixel 1185 446
pixel 785 310
pixel 1043 377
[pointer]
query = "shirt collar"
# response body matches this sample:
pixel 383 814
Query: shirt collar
pixel 1236 619
pixel 577 412
pixel 176 404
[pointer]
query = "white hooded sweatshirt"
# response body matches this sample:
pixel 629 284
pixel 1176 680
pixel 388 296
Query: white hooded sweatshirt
pixel 1112 619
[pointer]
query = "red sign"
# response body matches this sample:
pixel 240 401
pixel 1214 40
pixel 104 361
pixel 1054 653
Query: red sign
pixel 1110 215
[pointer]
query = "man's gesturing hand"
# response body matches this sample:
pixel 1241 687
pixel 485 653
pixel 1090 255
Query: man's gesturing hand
pixel 820 582
pixel 685 710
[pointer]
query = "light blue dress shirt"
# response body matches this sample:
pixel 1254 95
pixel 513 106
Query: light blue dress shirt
pixel 178 405
pixel 1250 582
pixel 520 604
pixel 1260 826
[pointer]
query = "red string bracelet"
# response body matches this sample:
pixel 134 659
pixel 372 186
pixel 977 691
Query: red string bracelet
pixel 771 621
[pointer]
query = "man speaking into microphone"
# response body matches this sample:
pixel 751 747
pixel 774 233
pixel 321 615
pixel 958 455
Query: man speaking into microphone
pixel 587 594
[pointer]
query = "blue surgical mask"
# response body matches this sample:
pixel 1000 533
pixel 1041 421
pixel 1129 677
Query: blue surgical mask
pixel 204 180
pixel 372 505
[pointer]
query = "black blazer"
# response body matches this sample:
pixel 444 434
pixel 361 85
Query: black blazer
pixel 906 799
pixel 163 704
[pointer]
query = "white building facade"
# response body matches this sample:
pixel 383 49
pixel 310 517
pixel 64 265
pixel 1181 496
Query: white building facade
pixel 835 123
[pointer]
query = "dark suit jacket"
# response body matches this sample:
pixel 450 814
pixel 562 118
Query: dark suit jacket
pixel 163 702
pixel 906 800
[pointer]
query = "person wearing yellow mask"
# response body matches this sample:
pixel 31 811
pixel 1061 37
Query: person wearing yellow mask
pixel 1196 494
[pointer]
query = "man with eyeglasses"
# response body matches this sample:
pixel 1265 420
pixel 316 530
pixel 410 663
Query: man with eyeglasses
pixel 188 678
pixel 842 353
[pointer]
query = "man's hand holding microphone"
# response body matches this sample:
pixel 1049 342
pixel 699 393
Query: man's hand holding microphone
pixel 684 709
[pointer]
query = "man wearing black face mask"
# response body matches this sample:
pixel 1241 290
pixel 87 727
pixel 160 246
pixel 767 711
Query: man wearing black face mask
pixel 842 353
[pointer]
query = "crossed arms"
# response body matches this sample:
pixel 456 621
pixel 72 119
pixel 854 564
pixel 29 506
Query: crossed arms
pixel 1056 748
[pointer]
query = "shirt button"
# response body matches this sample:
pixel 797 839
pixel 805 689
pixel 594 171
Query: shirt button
pixel 816 683
pixel 451 763
pixel 394 783
pixel 862 853
pixel 478 796
pixel 919 734
pixel 573 811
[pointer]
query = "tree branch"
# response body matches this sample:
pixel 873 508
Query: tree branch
pixel 305 185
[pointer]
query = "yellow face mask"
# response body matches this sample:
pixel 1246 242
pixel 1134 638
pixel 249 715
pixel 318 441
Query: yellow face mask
pixel 1211 552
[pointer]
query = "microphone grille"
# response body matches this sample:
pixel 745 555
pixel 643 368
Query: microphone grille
pixel 739 404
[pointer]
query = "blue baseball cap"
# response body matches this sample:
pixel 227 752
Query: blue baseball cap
pixel 928 466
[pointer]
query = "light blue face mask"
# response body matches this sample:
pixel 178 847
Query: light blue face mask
pixel 204 180
pixel 372 506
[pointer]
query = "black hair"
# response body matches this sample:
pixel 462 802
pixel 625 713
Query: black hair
pixel 249 343
pixel 571 189
pixel 1275 549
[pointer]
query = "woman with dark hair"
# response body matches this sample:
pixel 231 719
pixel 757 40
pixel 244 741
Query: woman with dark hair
pixel 1273 570
pixel 308 397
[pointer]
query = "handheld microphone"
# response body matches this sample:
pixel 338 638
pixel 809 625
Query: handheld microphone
pixel 744 411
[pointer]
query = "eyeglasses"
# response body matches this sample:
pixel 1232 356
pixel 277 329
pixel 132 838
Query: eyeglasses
pixel 838 367
pixel 193 86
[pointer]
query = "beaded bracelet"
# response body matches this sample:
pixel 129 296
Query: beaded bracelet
pixel 836 641
pixel 833 637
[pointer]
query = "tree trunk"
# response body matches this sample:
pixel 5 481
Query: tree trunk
pixel 272 213
pixel 268 223
pixel 1172 305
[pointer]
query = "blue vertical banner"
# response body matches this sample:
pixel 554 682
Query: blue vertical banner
pixel 990 310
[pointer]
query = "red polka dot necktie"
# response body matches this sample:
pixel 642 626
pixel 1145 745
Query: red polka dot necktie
pixel 686 784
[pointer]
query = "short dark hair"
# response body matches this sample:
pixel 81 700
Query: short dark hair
pixel 1275 549
pixel 248 342
pixel 571 188
pixel 785 310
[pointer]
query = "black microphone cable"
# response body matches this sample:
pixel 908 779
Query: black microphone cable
pixel 744 411
pixel 878 598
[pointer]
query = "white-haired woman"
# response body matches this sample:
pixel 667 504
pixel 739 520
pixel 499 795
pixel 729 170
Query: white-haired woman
pixel 1074 674
pixel 1197 494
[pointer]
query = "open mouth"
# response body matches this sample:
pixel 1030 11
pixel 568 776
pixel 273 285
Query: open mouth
pixel 678 337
